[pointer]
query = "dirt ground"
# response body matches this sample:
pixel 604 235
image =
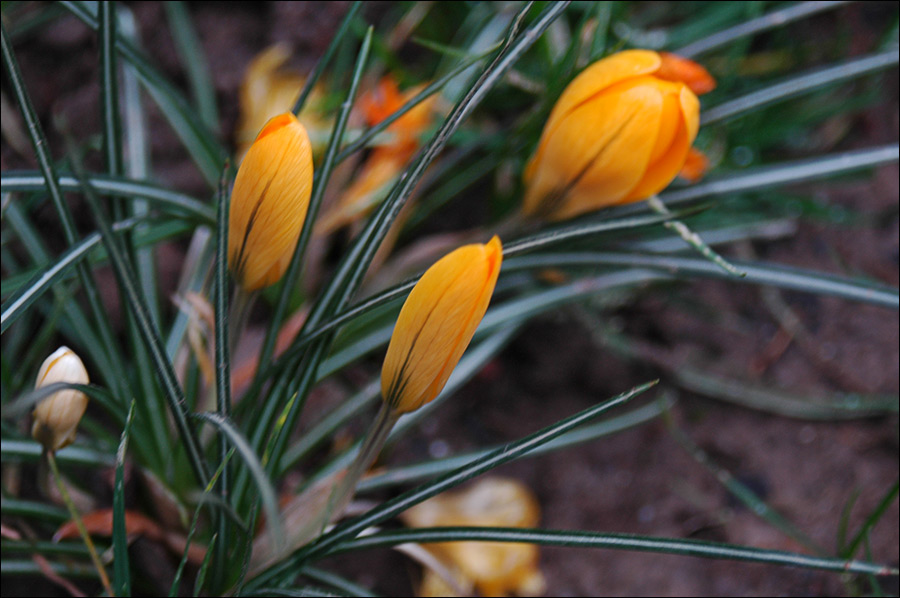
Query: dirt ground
pixel 640 481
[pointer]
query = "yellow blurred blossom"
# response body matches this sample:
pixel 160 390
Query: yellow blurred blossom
pixel 495 568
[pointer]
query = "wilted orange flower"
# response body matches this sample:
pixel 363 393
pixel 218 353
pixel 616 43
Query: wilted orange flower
pixel 56 417
pixel 494 568
pixel 436 324
pixel 620 132
pixel 269 202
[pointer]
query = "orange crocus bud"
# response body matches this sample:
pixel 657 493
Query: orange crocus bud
pixel 436 324
pixel 269 202
pixel 56 417
pixel 620 132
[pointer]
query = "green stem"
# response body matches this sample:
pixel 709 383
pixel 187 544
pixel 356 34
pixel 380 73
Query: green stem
pixel 377 435
pixel 241 303
pixel 73 511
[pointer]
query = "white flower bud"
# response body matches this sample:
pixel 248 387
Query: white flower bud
pixel 56 417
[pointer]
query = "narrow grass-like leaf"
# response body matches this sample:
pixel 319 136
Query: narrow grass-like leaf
pixel 844 523
pixel 418 472
pixel 23 403
pixel 29 567
pixel 391 508
pixel 356 262
pixel 200 143
pixel 798 84
pixel 190 51
pixel 75 549
pixel 195 522
pixel 180 203
pixel 579 539
pixel 336 41
pixel 223 369
pixel 148 333
pixel 741 491
pixel 472 362
pixel 886 501
pixel 320 183
pixel 27 294
pixel 109 96
pixel 137 161
pixel 257 473
pixel 200 580
pixel 121 570
pixel 755 396
pixel 776 18
pixel 429 90
pixel 17 507
pixel 40 146
pixel 791 172
pixel 546 238
pixel 29 450
pixel 784 277
pixel 342 584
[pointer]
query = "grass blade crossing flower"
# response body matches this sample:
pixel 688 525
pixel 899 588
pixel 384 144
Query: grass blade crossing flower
pixel 269 203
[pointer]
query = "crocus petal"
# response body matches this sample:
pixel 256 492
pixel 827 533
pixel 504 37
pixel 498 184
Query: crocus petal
pixel 269 202
pixel 437 323
pixel 675 68
pixel 584 167
pixel 592 81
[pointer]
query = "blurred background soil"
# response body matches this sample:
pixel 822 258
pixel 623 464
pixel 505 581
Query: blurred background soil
pixel 638 481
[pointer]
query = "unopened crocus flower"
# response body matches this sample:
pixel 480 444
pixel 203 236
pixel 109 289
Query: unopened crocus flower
pixel 269 202
pixel 436 324
pixel 56 417
pixel 620 132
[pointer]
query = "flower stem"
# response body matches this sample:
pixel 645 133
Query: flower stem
pixel 73 511
pixel 241 302
pixel 377 435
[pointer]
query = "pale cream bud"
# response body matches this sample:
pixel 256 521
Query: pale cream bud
pixel 56 417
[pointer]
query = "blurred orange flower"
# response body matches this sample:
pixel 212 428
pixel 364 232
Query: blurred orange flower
pixel 388 159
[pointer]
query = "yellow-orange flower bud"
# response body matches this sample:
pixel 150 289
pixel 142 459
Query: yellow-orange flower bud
pixel 269 202
pixel 437 322
pixel 56 417
pixel 620 132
